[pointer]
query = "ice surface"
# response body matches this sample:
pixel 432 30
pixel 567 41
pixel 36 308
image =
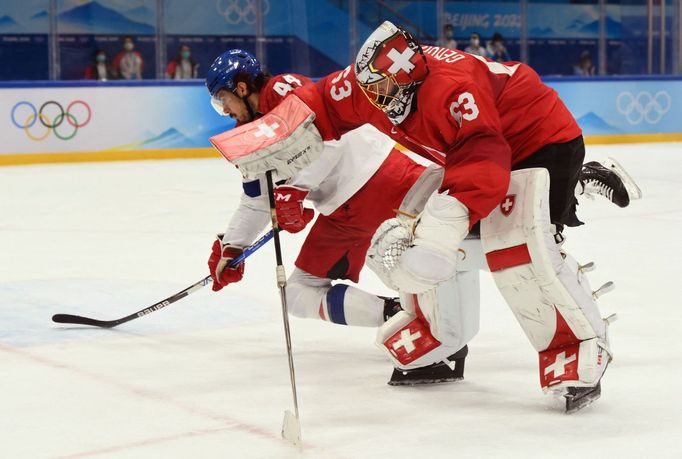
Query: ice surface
pixel 207 376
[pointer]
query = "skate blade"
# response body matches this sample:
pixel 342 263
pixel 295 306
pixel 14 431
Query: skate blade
pixel 634 192
pixel 578 402
pixel 291 429
pixel 425 381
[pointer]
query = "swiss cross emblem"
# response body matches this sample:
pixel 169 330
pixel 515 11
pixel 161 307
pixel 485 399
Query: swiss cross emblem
pixel 396 58
pixel 507 204
pixel 266 130
pixel 558 368
pixel 411 342
pixel 400 60
pixel 557 365
pixel 407 339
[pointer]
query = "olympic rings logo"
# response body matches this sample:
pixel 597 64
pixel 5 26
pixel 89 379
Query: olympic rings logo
pixel 643 106
pixel 236 11
pixel 51 116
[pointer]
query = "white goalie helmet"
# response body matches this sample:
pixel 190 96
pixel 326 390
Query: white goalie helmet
pixel 389 67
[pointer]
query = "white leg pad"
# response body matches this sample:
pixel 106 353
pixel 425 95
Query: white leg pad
pixel 471 256
pixel 548 294
pixel 433 325
pixel 576 365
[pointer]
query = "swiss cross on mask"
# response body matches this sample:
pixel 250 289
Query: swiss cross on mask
pixel 507 204
pixel 396 58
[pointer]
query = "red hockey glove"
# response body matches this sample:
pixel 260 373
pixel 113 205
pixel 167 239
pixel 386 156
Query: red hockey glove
pixel 221 255
pixel 291 215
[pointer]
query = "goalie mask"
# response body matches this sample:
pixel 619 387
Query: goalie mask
pixel 389 67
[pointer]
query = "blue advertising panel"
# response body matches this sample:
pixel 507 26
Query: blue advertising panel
pixel 304 36
pixel 623 107
pixel 23 40
pixel 484 19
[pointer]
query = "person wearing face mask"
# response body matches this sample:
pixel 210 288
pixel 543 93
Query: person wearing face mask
pixel 475 46
pixel 447 40
pixel 100 68
pixel 496 49
pixel 128 63
pixel 183 67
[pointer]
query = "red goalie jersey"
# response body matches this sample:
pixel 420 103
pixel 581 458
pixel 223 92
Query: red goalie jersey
pixel 476 117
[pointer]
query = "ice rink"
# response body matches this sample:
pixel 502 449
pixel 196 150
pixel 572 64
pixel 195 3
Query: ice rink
pixel 207 377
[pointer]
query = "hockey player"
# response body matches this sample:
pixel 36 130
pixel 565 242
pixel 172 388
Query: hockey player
pixel 336 245
pixel 356 184
pixel 481 120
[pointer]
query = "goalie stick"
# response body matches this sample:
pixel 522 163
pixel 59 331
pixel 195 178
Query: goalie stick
pixel 80 320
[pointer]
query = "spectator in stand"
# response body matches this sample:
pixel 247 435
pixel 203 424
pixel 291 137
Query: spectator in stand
pixel 128 63
pixel 585 67
pixel 183 67
pixel 496 49
pixel 100 68
pixel 475 46
pixel 447 40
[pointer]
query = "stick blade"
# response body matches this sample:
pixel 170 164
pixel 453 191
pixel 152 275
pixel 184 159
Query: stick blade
pixel 80 320
pixel 291 429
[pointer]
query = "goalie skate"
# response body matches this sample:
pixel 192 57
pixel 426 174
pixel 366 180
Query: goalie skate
pixel 578 398
pixel 440 372
pixel 609 179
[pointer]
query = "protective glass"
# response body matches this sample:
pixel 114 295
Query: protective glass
pixel 217 104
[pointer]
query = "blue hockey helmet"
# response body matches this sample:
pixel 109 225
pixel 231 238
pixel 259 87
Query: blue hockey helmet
pixel 222 73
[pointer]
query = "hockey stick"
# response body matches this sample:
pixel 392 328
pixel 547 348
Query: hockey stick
pixel 73 319
pixel 291 427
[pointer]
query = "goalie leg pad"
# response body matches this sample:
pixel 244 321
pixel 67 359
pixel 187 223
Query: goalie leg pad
pixel 581 364
pixel 433 325
pixel 453 309
pixel 543 286
pixel 407 339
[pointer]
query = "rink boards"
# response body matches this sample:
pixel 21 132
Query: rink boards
pixel 88 121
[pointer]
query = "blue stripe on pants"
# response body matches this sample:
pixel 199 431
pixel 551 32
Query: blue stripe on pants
pixel 335 297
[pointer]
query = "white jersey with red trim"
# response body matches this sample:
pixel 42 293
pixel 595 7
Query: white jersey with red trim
pixel 343 168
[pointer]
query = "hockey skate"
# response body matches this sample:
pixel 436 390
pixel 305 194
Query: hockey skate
pixel 580 397
pixel 391 307
pixel 609 179
pixel 436 373
pixel 575 395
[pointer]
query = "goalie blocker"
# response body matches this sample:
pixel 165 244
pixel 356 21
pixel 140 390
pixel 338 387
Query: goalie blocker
pixel 284 141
